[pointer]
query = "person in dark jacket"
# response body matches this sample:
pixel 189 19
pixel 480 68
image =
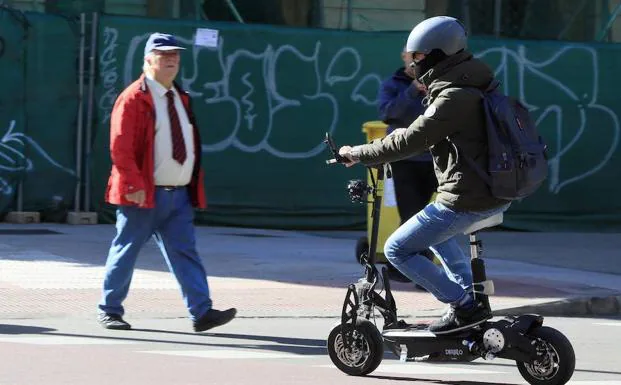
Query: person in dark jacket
pixel 400 103
pixel 440 60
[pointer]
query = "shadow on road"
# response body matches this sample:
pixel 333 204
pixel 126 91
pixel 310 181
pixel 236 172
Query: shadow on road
pixel 299 346
pixel 21 329
pixel 418 380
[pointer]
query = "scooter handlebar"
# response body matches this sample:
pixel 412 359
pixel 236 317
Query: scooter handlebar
pixel 334 149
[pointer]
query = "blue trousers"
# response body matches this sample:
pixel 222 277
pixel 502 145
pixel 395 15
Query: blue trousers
pixel 170 223
pixel 436 227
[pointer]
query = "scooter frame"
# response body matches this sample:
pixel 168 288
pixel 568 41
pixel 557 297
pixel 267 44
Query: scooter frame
pixel 543 355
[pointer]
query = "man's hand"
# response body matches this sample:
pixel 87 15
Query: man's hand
pixel 136 197
pixel 345 152
pixel 410 72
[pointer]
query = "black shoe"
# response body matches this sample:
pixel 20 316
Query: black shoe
pixel 455 320
pixel 113 321
pixel 214 318
pixel 402 325
pixel 399 325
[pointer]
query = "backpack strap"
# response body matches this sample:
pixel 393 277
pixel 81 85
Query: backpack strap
pixel 492 85
pixel 484 175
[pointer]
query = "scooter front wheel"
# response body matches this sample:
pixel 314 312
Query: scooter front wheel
pixel 557 362
pixel 356 350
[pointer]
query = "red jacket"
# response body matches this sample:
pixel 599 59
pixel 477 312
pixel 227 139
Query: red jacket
pixel 132 136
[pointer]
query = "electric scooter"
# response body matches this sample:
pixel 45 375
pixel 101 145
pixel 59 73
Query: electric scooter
pixel 544 356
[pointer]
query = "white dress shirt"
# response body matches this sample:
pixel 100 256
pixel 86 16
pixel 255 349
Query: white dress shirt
pixel 167 171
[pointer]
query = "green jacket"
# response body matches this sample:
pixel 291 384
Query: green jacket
pixel 454 111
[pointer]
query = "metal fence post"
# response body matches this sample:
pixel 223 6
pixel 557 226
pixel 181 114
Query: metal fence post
pixel 89 118
pixel 234 11
pixel 611 20
pixel 78 151
pixel 465 11
pixel 497 17
pixel 349 15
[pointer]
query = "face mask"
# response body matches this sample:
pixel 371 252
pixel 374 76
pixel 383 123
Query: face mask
pixel 423 66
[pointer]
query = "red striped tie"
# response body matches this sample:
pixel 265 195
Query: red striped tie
pixel 178 144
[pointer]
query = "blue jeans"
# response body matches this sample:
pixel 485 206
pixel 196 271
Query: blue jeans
pixel 171 225
pixel 435 227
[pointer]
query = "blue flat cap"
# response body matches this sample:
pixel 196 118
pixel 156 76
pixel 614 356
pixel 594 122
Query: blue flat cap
pixel 161 42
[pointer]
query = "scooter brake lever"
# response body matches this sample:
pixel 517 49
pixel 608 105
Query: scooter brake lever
pixel 335 152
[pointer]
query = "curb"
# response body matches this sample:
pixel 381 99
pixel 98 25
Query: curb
pixel 574 307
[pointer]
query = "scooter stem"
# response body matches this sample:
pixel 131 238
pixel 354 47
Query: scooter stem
pixel 375 215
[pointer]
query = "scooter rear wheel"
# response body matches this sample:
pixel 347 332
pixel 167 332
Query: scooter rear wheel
pixel 365 352
pixel 558 362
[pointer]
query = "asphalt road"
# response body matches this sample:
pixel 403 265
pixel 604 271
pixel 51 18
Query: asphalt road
pixel 258 351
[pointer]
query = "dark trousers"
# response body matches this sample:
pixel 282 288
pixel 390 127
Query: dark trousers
pixel 415 182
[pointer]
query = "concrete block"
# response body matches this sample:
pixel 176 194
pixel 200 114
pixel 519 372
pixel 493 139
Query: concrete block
pixel 82 218
pixel 22 217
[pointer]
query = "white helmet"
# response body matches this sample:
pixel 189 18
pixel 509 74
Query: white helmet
pixel 440 32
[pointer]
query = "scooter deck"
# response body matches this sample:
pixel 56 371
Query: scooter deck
pixel 411 330
pixel 418 343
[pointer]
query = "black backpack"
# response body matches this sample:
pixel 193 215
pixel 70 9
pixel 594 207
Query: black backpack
pixel 517 159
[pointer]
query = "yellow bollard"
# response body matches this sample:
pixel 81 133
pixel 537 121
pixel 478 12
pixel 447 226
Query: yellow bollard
pixel 389 215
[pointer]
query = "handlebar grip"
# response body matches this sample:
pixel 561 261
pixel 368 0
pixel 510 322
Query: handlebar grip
pixel 337 159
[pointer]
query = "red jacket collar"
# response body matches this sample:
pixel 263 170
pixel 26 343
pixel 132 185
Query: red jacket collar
pixel 142 86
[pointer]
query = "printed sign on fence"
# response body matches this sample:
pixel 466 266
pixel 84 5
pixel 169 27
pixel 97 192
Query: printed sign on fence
pixel 206 37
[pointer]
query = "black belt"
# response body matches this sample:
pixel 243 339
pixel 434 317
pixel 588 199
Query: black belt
pixel 171 188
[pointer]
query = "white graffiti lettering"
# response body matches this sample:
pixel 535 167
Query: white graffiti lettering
pixel 256 112
pixel 253 102
pixel 108 73
pixel 13 158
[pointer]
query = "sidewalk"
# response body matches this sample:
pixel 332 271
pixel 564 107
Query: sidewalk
pixel 53 270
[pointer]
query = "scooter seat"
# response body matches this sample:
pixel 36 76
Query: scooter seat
pixel 492 221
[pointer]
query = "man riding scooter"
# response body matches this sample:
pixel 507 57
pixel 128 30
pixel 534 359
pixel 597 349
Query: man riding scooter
pixel 448 71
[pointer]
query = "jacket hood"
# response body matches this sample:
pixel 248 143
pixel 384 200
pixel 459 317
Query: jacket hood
pixel 459 70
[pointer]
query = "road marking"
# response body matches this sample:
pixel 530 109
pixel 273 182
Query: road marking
pixel 608 323
pixel 41 270
pixel 63 340
pixel 594 383
pixel 227 354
